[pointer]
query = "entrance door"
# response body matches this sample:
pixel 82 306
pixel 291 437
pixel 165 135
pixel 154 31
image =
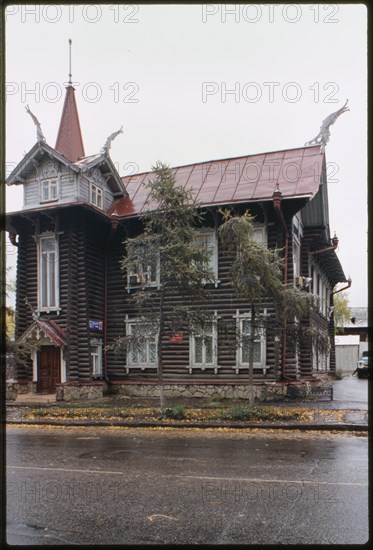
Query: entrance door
pixel 48 369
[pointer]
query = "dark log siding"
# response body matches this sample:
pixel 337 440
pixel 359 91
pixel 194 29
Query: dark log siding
pixel 314 235
pixel 176 356
pixel 26 287
pixel 116 304
pixel 84 242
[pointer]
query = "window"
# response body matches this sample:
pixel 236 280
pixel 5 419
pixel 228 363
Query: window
pixel 48 273
pixel 96 358
pixel 296 257
pixel 203 346
pixel 97 196
pixel 245 332
pixel 142 352
pixel 260 236
pixel 49 190
pixel 207 239
pixel 243 347
pixel 145 267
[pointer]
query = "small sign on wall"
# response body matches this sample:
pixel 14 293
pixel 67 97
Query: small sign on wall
pixel 95 325
pixel 176 338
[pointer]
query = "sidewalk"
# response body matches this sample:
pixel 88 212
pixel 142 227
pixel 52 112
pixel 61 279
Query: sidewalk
pixel 43 410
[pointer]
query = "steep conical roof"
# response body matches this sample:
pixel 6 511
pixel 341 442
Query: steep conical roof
pixel 69 139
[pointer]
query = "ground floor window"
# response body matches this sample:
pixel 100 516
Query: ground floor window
pixel 203 347
pixel 142 350
pixel 96 358
pixel 244 342
pixel 320 358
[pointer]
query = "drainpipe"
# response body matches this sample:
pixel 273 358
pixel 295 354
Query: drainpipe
pixel 13 239
pixel 349 283
pixel 277 198
pixel 113 228
pixel 333 246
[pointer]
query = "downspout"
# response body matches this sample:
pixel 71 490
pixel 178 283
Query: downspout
pixel 349 283
pixel 333 246
pixel 113 228
pixel 277 198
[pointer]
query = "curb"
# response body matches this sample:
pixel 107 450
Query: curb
pixel 263 426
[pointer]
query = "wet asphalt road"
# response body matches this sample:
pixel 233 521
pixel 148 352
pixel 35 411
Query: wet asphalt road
pixel 143 486
pixel 351 392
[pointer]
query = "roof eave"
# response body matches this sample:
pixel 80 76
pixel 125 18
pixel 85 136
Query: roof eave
pixel 15 177
pixel 105 159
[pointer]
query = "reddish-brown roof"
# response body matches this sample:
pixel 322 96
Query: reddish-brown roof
pixel 69 139
pixel 241 179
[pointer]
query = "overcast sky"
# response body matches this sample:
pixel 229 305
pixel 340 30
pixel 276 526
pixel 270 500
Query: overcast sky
pixel 192 83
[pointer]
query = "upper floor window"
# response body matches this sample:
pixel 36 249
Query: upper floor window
pixel 49 189
pixel 207 239
pixel 260 236
pixel 97 196
pixel 144 267
pixel 296 257
pixel 48 266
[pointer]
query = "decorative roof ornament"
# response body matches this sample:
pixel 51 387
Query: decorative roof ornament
pixel 39 133
pixel 323 136
pixel 70 75
pixel 106 148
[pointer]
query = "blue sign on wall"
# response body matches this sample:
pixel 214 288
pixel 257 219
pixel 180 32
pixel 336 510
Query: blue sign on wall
pixel 95 325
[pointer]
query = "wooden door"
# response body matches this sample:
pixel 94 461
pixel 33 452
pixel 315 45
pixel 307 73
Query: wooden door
pixel 48 369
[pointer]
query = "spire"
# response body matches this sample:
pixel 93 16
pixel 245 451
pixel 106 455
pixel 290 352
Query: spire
pixel 69 139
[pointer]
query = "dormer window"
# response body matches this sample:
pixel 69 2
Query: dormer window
pixel 49 190
pixel 97 196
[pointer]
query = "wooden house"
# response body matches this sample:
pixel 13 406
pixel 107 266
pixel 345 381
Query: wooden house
pixel 72 297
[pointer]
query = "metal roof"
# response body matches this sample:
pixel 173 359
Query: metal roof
pixel 361 317
pixel 250 178
pixel 347 340
pixel 69 138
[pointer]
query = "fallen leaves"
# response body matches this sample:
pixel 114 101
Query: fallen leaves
pixel 136 412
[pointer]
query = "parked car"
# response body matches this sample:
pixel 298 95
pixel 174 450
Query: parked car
pixel 364 364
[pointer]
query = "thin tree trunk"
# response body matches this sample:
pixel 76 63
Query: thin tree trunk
pixel 251 355
pixel 159 353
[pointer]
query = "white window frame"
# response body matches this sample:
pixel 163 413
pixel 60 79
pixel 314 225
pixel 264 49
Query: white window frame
pixel 147 364
pixel 240 363
pixel 193 364
pixel 97 196
pixel 96 358
pixel 260 235
pixel 320 360
pixel 202 235
pixel 49 184
pixel 48 307
pixel 143 276
pixel 296 257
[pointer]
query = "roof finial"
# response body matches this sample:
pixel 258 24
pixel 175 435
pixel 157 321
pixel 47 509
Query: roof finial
pixel 39 132
pixel 323 136
pixel 70 81
pixel 106 148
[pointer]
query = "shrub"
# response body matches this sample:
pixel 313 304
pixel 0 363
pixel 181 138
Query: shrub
pixel 339 374
pixel 242 412
pixel 175 413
